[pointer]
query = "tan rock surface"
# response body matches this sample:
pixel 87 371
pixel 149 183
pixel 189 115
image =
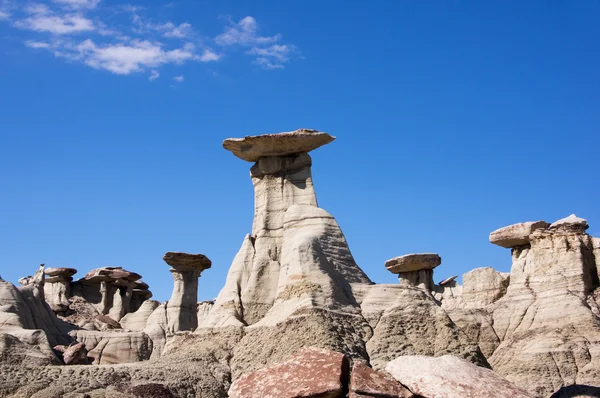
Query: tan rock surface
pixel 516 234
pixel 413 262
pixel 450 377
pixel 416 325
pixel 252 148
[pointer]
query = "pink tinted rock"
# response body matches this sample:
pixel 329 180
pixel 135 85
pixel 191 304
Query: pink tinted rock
pixel 369 382
pixel 311 372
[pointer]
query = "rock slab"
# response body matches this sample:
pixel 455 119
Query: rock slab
pixel 450 377
pixel 311 372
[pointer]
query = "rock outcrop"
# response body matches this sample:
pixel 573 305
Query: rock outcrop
pixel 182 311
pixel 57 288
pixel 415 269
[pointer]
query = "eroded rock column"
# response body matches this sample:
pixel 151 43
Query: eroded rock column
pixel 182 307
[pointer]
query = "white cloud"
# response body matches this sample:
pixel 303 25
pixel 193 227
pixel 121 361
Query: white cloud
pixel 176 32
pixel 78 3
pixel 37 44
pixel 244 33
pixel 154 75
pixel 208 56
pixel 272 57
pixel 4 16
pixel 42 19
pixel 178 79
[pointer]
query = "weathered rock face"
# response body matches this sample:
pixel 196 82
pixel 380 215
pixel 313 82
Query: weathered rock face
pixel 516 234
pixel 309 373
pixel 416 325
pixel 450 377
pixel 482 287
pixel 182 311
pixel 57 288
pixel 107 348
pixel 366 382
pixel 550 336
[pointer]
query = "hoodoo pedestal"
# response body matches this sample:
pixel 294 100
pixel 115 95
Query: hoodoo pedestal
pixel 182 307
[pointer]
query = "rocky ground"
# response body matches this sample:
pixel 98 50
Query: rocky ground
pixel 297 317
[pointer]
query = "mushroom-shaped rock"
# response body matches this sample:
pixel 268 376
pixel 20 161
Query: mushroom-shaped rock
pixel 57 288
pixel 252 148
pixel 516 234
pixel 571 223
pixel 415 269
pixel 182 307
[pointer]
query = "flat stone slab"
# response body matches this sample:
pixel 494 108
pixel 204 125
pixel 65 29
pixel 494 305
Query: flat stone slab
pixel 111 274
pixel 448 280
pixel 516 234
pixel 367 382
pixel 413 262
pixel 311 372
pixel 60 271
pixel 186 261
pixel 252 148
pixel 450 377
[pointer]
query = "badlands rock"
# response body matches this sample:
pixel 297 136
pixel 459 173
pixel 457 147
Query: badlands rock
pixel 74 354
pixel 549 335
pixel 413 262
pixel 448 280
pixel 571 223
pixel 366 382
pixel 415 269
pixel 137 320
pixel 416 325
pixel 516 234
pixel 182 311
pixel 106 348
pixel 483 286
pixel 450 377
pixel 13 351
pixel 309 373
pixel 252 148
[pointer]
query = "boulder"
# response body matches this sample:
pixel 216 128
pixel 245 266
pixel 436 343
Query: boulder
pixel 252 148
pixel 74 354
pixel 448 280
pixel 367 382
pixel 308 373
pixel 450 377
pixel 516 234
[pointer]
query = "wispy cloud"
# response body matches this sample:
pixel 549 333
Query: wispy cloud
pixel 78 3
pixel 95 34
pixel 178 79
pixel 267 54
pixel 244 33
pixel 42 19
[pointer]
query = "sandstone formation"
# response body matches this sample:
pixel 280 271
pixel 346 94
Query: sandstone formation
pixel 450 377
pixel 415 269
pixel 294 284
pixel 182 307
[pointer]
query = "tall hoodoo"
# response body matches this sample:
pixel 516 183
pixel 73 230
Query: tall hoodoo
pixel 284 201
pixel 182 307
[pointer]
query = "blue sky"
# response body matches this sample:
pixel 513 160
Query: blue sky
pixel 452 119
